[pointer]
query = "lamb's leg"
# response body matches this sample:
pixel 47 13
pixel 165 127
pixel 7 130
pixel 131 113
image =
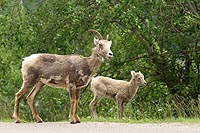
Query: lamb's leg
pixel 77 91
pixel 30 98
pixel 72 93
pixel 18 97
pixel 93 105
pixel 120 108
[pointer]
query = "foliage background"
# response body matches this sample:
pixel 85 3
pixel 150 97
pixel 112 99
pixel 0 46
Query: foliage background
pixel 160 38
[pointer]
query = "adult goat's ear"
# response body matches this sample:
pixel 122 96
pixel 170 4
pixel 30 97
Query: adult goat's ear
pixel 96 41
pixel 110 43
pixel 107 37
pixel 133 73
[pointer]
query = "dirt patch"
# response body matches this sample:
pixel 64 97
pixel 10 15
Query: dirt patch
pixel 97 127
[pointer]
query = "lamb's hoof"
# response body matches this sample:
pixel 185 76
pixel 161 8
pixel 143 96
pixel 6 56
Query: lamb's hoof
pixel 17 121
pixel 72 122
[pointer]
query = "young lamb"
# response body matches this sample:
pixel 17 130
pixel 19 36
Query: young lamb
pixel 119 90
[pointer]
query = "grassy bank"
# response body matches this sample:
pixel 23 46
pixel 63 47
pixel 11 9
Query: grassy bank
pixel 131 121
pixel 179 120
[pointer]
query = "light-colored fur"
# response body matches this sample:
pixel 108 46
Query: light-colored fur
pixel 73 72
pixel 119 90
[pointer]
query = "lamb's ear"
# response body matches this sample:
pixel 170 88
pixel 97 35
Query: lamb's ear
pixel 133 73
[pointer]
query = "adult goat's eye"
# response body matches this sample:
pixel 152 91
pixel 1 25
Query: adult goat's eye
pixel 101 46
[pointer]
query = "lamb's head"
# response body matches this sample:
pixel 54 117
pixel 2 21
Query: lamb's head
pixel 138 78
pixel 103 46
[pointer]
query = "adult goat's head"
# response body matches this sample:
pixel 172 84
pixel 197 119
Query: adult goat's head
pixel 102 45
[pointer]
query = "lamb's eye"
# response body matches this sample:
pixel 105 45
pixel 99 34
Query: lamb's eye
pixel 138 78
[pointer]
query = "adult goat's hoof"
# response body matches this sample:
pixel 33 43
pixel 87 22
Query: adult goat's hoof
pixel 39 121
pixel 72 122
pixel 78 122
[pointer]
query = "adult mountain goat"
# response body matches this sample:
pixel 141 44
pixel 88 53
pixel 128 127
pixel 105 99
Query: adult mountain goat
pixel 119 90
pixel 61 71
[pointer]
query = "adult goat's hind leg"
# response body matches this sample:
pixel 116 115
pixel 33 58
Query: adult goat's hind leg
pixel 77 92
pixel 24 89
pixel 93 105
pixel 30 98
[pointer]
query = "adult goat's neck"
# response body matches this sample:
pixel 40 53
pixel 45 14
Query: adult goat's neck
pixel 95 60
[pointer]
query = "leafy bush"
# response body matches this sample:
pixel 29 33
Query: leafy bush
pixel 159 38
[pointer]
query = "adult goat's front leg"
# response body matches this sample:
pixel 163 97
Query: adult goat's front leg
pixel 72 93
pixel 18 97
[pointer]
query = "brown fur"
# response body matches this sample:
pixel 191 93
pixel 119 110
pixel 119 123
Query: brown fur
pixel 119 90
pixel 61 71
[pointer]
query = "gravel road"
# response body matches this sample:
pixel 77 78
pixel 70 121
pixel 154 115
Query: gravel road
pixel 97 127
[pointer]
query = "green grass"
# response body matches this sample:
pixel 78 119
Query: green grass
pixel 131 121
pixel 6 120
pixel 178 120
